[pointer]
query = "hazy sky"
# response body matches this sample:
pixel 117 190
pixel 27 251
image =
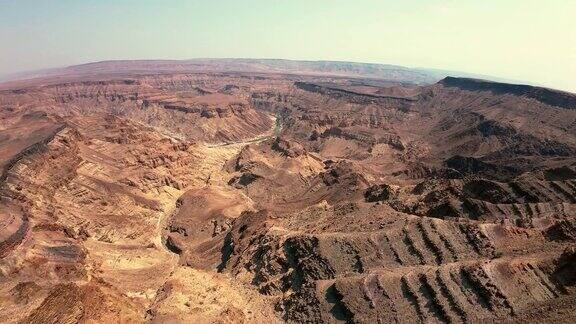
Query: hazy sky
pixel 526 40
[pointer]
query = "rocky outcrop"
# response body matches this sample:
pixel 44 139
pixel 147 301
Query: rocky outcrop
pixel 289 148
pixel 378 192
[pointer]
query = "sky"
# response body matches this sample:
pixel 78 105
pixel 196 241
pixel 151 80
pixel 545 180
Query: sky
pixel 526 40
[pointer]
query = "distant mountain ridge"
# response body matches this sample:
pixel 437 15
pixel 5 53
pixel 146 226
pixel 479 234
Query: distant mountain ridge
pixel 385 72
pixel 388 72
pixel 332 68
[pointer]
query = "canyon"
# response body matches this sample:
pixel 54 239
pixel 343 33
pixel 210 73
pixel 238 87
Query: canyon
pixel 244 191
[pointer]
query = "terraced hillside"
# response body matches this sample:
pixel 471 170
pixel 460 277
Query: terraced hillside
pixel 250 196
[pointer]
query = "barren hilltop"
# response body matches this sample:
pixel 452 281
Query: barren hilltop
pixel 236 190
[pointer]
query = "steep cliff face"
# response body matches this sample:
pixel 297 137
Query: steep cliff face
pixel 211 116
pixel 547 96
